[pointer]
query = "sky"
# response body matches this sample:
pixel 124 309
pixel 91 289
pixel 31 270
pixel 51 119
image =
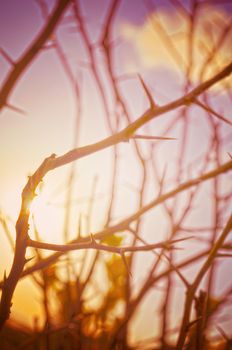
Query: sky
pixel 46 95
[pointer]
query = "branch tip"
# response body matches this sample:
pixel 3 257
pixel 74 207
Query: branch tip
pixel 147 92
pixel 7 57
pixel 15 108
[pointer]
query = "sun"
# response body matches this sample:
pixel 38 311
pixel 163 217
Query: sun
pixel 47 218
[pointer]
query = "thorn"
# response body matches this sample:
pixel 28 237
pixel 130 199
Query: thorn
pixel 29 259
pixel 125 263
pixel 174 248
pixel 194 322
pixel 16 109
pixel 48 161
pixel 147 137
pixel 181 239
pixel 93 241
pixel 230 155
pixel 147 92
pixel 223 334
pixel 169 244
pixel 53 155
pixel 7 57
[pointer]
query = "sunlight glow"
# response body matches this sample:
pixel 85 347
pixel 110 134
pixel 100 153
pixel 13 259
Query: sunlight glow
pixel 47 219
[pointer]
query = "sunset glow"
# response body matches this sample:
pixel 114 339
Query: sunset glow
pixel 123 72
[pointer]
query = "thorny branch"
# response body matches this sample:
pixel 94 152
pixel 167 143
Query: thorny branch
pixel 176 222
pixel 19 67
pixel 124 224
pixel 29 192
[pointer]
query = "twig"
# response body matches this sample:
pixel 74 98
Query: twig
pixel 147 137
pixel 210 110
pixel 53 162
pixel 126 222
pixel 92 244
pixel 19 66
pixel 191 291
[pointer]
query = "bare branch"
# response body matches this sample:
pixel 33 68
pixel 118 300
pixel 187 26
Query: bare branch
pixel 97 246
pixel 191 291
pixel 31 52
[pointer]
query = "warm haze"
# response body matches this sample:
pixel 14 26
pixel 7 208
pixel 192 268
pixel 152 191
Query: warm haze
pixel 104 64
